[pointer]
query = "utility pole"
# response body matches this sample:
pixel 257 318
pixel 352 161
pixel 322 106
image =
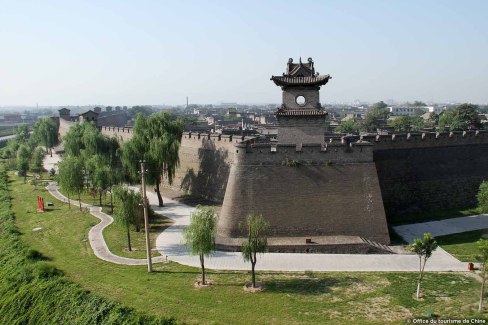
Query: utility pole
pixel 146 221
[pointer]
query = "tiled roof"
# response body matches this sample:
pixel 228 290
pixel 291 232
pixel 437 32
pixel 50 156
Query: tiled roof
pixel 298 81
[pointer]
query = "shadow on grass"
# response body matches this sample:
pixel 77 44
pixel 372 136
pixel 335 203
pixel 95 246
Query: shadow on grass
pixel 307 286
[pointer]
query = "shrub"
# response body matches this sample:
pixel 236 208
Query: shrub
pixel 482 197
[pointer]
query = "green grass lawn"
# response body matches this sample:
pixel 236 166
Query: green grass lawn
pixel 116 238
pixel 116 235
pixel 462 245
pixel 289 298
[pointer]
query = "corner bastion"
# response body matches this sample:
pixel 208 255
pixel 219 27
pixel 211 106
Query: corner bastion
pixel 304 190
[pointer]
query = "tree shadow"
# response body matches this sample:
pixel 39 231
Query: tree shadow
pixel 211 180
pixel 307 286
pixel 35 255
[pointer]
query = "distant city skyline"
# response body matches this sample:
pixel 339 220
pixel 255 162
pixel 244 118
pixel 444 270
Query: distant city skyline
pixel 59 53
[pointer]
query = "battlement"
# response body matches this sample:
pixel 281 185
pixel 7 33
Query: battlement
pixel 113 129
pixel 249 152
pixel 424 140
pixel 215 137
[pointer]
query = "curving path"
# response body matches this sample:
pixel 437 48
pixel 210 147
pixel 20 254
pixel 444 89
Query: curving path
pixel 95 235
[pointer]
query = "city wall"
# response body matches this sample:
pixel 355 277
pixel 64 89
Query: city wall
pixel 430 171
pixel 415 173
pixel 63 127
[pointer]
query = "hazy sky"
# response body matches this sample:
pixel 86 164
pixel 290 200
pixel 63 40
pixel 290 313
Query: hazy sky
pixel 154 52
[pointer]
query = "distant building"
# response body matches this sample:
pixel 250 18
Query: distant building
pixel 89 116
pixel 65 114
pixel 404 111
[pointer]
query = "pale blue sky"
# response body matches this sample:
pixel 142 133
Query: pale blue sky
pixel 152 52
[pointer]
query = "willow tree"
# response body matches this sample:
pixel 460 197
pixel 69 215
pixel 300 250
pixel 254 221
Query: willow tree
pixel 127 209
pixel 46 132
pixel 156 140
pixel 200 235
pixel 70 176
pixel 256 243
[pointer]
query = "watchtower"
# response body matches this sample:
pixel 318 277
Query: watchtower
pixel 301 118
pixel 64 113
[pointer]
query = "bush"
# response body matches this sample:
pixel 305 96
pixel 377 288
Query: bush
pixel 482 197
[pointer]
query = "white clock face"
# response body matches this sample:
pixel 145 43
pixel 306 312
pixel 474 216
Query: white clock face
pixel 300 100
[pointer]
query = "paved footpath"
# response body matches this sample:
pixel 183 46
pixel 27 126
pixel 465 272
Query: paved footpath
pixel 442 227
pixel 95 235
pixel 170 243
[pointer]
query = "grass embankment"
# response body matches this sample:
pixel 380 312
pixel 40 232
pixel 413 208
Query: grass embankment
pixel 32 289
pixel 289 298
pixel 462 245
pixel 116 235
pixel 432 215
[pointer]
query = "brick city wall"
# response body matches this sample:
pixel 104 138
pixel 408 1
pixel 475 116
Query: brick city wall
pixel 333 191
pixel 430 171
pixel 416 172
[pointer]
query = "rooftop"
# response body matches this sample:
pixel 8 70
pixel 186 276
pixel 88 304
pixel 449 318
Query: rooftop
pixel 301 74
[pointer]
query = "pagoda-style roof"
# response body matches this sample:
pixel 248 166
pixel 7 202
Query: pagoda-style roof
pixel 301 112
pixel 300 74
pixel 319 80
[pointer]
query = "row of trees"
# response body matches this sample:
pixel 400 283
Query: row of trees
pixel 463 117
pixel 26 151
pixel 96 163
pixel 90 162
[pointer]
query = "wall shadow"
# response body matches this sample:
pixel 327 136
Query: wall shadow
pixel 211 180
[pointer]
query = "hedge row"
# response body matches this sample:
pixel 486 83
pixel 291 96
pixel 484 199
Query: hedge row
pixel 34 292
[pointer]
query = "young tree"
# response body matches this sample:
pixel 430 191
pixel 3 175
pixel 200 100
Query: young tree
pixel 257 241
pixel 127 209
pixel 483 259
pixel 23 156
pixel 423 248
pixel 200 235
pixel 70 176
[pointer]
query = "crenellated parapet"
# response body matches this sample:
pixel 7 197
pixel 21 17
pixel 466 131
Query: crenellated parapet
pixel 425 139
pixel 305 154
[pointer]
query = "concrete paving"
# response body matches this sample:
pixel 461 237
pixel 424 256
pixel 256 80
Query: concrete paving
pixel 51 162
pixel 442 227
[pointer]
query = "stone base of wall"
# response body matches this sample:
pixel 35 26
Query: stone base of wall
pixel 324 244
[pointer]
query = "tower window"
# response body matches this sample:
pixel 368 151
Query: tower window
pixel 300 100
